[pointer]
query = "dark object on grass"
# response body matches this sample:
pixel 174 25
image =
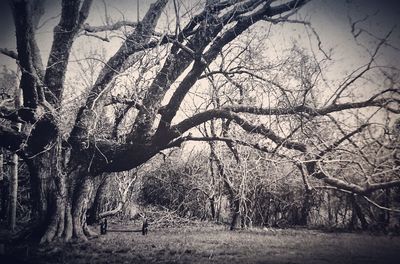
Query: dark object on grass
pixel 103 227
pixel 145 227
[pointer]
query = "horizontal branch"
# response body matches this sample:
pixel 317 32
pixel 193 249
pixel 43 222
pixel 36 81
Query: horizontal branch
pixel 285 7
pixel 106 39
pixel 10 53
pixel 125 101
pixel 217 45
pixel 109 27
pixel 382 185
pixel 111 212
pixel 200 118
pixel 382 102
pixel 179 141
pixel 367 188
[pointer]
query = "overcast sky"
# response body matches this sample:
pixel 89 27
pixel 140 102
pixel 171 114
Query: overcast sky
pixel 328 17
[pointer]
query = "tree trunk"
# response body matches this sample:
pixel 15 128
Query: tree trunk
pixel 235 211
pixel 358 212
pixel 112 212
pixel 67 216
pixel 60 196
pixel 18 102
pixel 234 202
pixel 95 208
pixel 212 206
pixel 388 205
pixel 353 221
pixel 4 189
pixel 80 206
pixel 40 170
pixel 329 208
pixel 13 193
pixel 305 208
pixel 306 205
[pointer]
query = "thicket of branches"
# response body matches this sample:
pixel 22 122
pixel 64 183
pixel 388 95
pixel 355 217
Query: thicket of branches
pixel 287 137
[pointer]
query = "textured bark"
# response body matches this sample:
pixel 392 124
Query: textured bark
pixel 14 171
pixel 40 169
pixel 28 55
pixel 72 18
pixel 13 192
pixel 66 214
pixel 80 206
pixel 95 207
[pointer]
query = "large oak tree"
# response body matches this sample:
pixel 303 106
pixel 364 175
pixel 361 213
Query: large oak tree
pixel 63 165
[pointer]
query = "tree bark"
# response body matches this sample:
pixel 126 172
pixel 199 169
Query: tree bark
pixel 13 193
pixel 95 208
pixel 358 212
pixel 212 206
pixel 3 188
pixel 67 214
pixel 61 192
pixel 306 205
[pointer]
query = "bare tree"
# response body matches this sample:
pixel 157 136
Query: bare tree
pixel 61 173
pixel 63 164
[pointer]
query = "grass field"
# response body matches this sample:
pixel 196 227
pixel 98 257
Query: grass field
pixel 215 244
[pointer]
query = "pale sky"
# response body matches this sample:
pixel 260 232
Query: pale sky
pixel 330 18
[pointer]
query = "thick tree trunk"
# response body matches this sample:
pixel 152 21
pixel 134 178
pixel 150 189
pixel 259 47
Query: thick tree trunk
pixel 94 210
pixel 60 197
pixel 80 207
pixel 67 215
pixel 40 170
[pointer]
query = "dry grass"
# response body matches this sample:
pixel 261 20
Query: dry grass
pixel 215 244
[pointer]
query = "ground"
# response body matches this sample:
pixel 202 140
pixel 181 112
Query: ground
pixel 216 244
